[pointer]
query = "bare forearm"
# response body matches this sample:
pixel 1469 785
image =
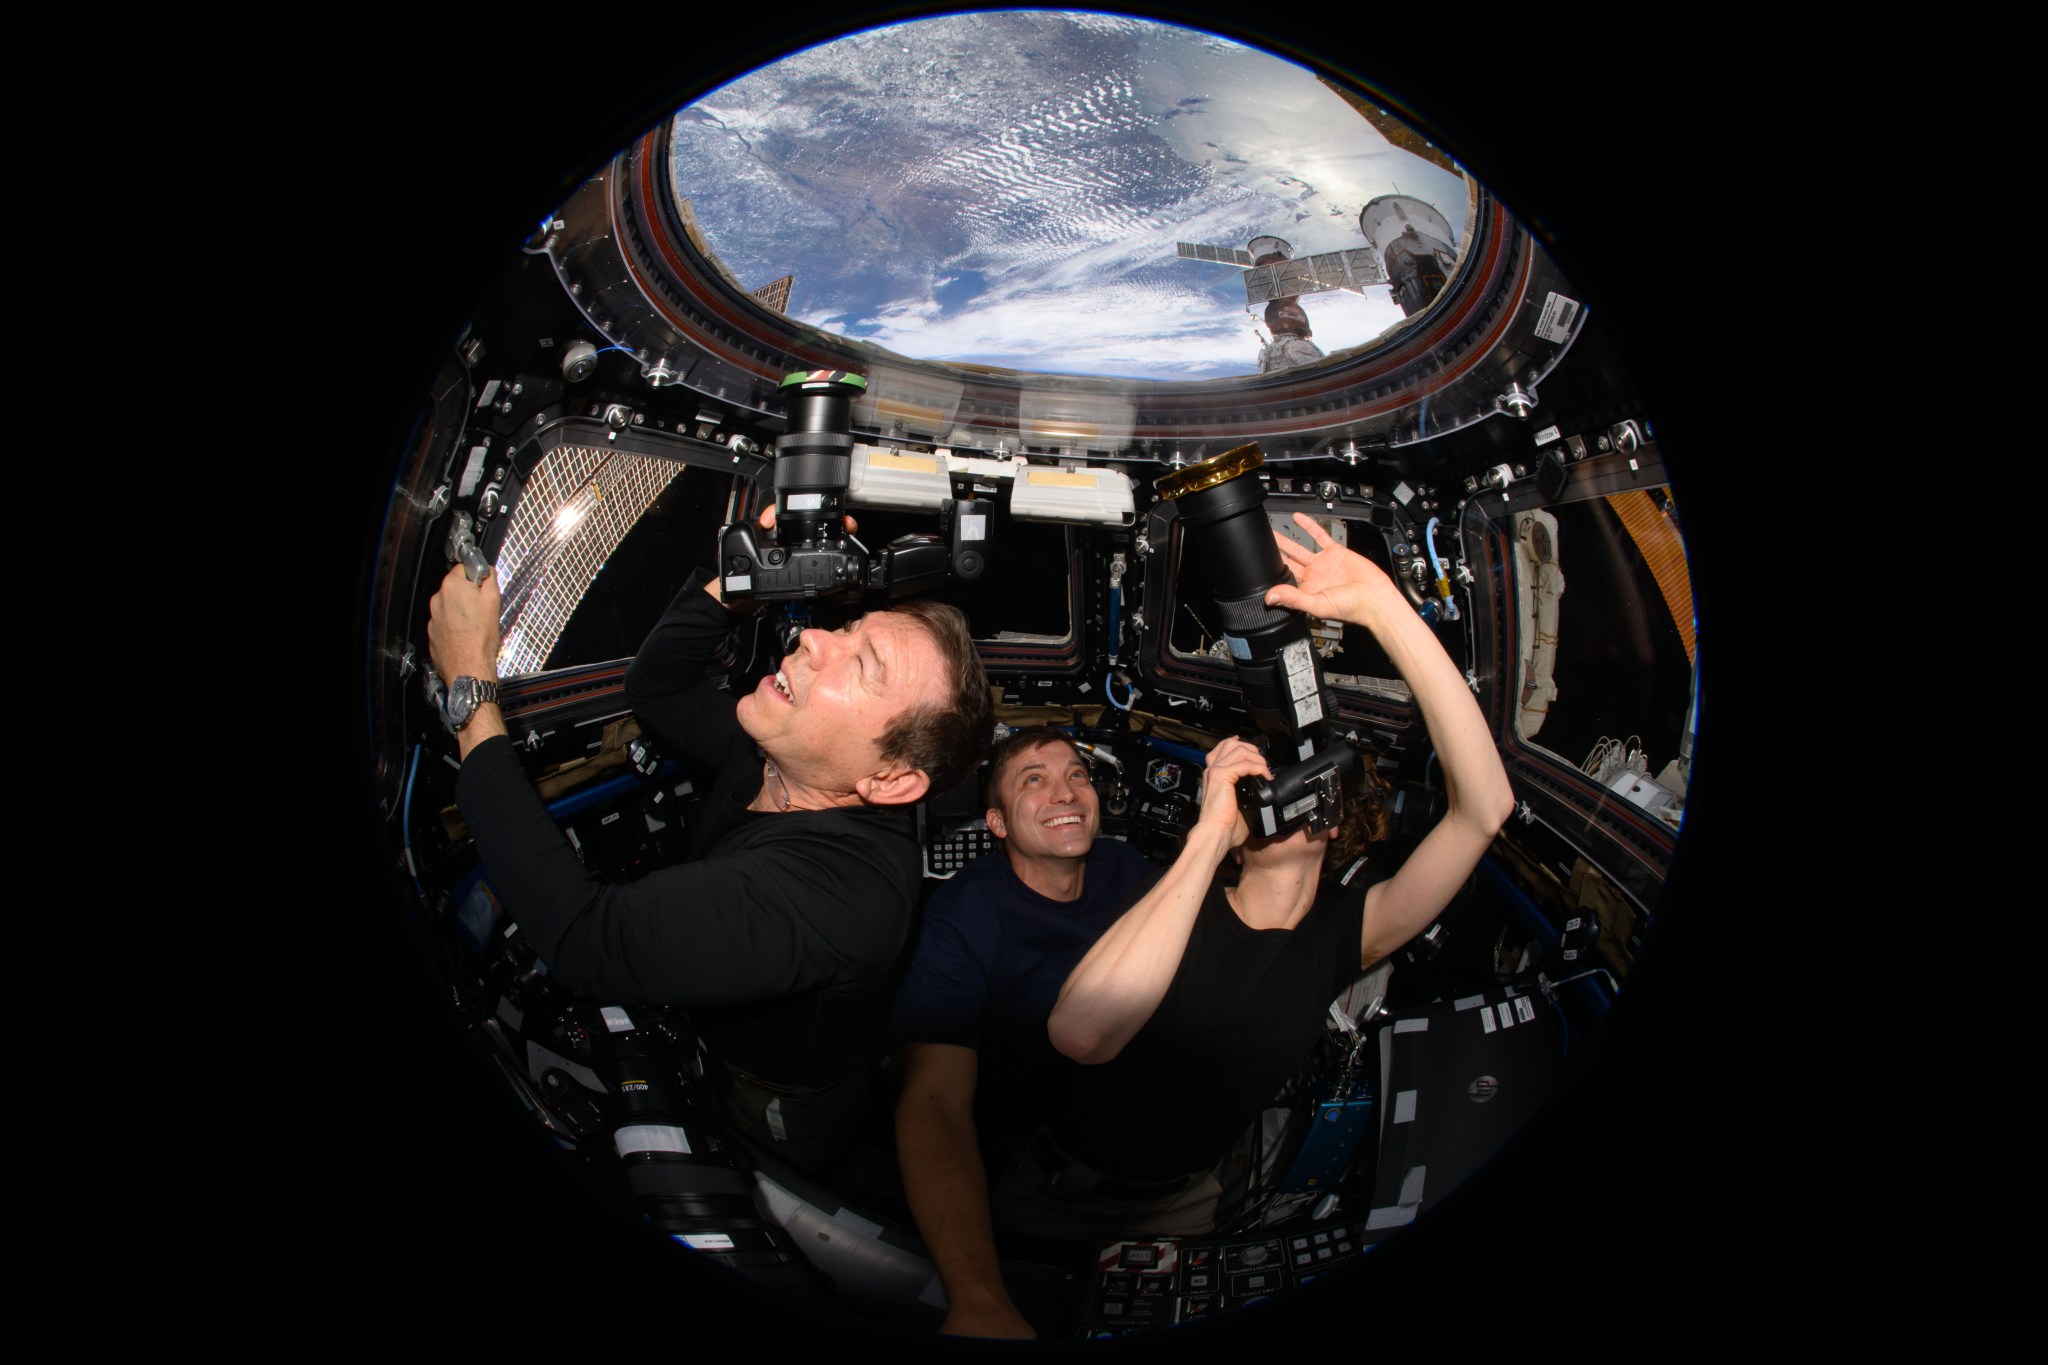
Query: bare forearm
pixel 1474 780
pixel 1114 990
pixel 947 1187
pixel 1477 784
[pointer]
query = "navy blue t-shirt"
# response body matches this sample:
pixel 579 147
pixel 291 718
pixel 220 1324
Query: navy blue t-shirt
pixel 990 959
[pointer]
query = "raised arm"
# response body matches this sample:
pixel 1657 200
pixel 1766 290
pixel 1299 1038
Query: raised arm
pixel 1338 584
pixel 946 1184
pixel 1112 992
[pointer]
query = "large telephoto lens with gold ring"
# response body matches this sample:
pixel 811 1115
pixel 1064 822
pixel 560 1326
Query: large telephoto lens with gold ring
pixel 1222 510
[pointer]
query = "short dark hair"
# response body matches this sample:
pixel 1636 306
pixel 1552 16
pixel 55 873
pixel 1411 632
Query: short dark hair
pixel 1014 746
pixel 946 739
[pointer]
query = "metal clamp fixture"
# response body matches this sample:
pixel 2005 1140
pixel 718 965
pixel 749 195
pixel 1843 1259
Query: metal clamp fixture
pixel 462 546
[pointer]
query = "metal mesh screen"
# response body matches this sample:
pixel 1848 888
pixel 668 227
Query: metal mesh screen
pixel 578 504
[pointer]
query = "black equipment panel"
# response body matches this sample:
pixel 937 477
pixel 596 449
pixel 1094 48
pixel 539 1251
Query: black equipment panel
pixel 1142 1285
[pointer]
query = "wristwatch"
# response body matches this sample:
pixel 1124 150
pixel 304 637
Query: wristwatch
pixel 465 694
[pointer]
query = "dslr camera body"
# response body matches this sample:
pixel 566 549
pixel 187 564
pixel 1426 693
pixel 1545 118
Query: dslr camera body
pixel 810 554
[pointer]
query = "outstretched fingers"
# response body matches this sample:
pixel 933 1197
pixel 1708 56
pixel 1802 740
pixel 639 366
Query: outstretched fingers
pixel 1314 529
pixel 1292 551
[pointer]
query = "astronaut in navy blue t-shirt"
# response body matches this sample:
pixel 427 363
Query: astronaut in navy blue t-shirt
pixel 996 943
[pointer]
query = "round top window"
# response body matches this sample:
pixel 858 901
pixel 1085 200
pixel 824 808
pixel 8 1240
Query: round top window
pixel 1054 192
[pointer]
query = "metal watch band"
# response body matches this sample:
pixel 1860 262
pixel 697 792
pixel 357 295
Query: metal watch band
pixel 480 691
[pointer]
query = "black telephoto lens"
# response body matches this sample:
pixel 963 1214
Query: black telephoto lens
pixel 1222 508
pixel 814 459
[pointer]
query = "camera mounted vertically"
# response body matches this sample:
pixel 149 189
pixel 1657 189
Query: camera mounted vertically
pixel 810 554
pixel 1222 510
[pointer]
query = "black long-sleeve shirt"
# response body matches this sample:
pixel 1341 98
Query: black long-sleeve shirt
pixel 779 934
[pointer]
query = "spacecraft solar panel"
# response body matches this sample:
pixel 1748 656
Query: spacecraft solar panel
pixel 1280 280
pixel 1353 269
pixel 1222 255
pixel 775 293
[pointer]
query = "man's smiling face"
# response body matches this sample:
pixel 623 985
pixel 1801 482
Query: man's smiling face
pixel 821 715
pixel 1046 806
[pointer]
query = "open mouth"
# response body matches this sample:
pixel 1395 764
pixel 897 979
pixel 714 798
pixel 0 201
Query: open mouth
pixel 781 682
pixel 1058 820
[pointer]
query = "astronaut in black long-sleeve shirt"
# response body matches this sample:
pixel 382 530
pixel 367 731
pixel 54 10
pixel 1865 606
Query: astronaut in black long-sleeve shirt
pixel 781 931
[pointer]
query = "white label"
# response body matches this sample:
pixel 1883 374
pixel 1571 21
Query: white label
pixel 617 1020
pixel 490 392
pixel 1404 1107
pixel 610 818
pixel 1266 825
pixel 1523 1009
pixel 705 1241
pixel 806 502
pixel 1547 435
pixel 1411 1026
pixel 974 527
pixel 1309 708
pixel 1403 493
pixel 1468 1002
pixel 773 1114
pixel 1307 803
pixel 1556 322
pixel 651 1137
pixel 471 472
pixel 1507 1016
pixel 739 582
pixel 1486 1018
pixel 1301 669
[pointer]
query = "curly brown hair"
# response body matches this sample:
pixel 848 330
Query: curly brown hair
pixel 1365 815
pixel 945 738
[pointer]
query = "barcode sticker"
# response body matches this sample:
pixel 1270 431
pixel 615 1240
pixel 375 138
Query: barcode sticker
pixel 1555 324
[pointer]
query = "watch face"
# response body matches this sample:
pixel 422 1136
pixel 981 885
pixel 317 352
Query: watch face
pixel 461 701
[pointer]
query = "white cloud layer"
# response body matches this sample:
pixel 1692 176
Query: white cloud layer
pixel 1033 171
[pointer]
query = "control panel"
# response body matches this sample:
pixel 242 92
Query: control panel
pixel 1139 1286
pixel 946 851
